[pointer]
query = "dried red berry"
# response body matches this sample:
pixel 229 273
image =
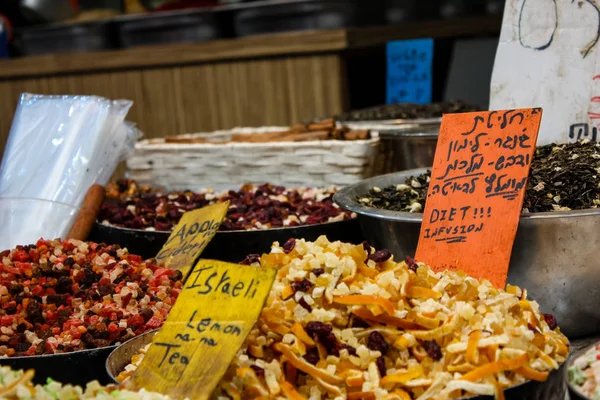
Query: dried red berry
pixel 377 342
pixel 381 255
pixel 251 259
pixel 318 271
pixel 312 356
pixel 366 247
pixel 381 366
pixel 433 349
pixel 359 323
pixel 302 286
pixel 260 372
pixel 305 305
pixel 551 321
pixel 289 245
pixel 323 333
pixel 412 264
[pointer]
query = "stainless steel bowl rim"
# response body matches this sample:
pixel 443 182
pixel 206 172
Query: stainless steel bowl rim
pixel 394 134
pixel 226 232
pixel 345 200
pixel 112 353
pixel 66 354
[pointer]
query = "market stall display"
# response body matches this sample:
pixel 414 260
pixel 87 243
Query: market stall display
pixel 406 112
pixel 347 320
pixel 19 384
pixel 142 219
pixel 548 256
pixel 60 298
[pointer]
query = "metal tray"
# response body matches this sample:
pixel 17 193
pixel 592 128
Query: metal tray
pixel 554 388
pixel 170 27
pixel 77 367
pixel 294 15
pixel 553 256
pixel 67 38
pixel 232 246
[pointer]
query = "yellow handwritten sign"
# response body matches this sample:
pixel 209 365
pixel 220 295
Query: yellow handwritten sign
pixel 214 313
pixel 191 235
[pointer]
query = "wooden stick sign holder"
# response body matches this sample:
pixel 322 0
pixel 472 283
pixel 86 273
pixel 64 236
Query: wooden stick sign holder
pixel 476 191
pixel 214 313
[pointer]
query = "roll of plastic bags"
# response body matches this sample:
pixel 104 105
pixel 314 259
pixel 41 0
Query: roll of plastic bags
pixel 57 148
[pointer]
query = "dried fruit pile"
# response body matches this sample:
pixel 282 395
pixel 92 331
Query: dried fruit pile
pixel 346 321
pixel 16 385
pixel 250 208
pixel 61 296
pixel 406 111
pixel 562 177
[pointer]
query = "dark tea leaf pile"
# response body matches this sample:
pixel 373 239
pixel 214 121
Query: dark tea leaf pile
pixel 562 177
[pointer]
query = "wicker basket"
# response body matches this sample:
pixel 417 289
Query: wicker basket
pixel 177 166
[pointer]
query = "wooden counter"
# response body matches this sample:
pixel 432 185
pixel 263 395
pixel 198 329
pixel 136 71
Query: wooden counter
pixel 258 80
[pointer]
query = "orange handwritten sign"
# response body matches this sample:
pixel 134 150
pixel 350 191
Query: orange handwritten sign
pixel 476 192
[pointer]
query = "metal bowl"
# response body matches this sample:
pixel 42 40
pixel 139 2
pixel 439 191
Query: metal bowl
pixel 575 394
pixel 554 254
pixel 232 246
pixel 553 388
pixel 120 357
pixel 76 368
pixel 406 144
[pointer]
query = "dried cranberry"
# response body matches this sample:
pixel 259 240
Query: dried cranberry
pixel 251 259
pixel 302 286
pixel 433 349
pixel 551 321
pixel 312 356
pixel 260 372
pixel 412 264
pixel 146 313
pixel 324 334
pixel 69 262
pixel 367 247
pixel 380 362
pixel 305 305
pixel 289 245
pixel 351 350
pixel 318 271
pixel 64 285
pixel 58 299
pixel 359 323
pixel 377 342
pixel 380 255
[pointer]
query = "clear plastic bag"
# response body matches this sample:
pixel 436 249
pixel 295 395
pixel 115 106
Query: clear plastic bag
pixel 61 145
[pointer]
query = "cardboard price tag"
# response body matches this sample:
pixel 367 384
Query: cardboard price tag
pixel 476 192
pixel 191 235
pixel 214 313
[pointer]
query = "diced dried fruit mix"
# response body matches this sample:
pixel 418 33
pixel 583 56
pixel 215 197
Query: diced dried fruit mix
pixel 584 374
pixel 61 296
pixel 18 385
pixel 381 329
pixel 250 208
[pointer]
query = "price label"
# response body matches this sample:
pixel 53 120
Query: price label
pixel 476 192
pixel 214 313
pixel 409 70
pixel 191 235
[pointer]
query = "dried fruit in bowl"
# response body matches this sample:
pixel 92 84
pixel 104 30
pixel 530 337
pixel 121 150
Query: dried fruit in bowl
pixel 62 296
pixel 340 324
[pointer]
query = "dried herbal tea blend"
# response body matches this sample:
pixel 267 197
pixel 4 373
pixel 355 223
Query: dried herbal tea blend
pixel 406 111
pixel 562 177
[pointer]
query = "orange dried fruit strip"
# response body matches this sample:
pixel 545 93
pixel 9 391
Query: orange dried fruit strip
pixel 361 396
pixel 366 300
pixel 422 292
pixel 306 367
pixel 301 334
pixel 472 354
pixel 365 314
pixel 290 392
pixel 532 374
pixel 492 368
